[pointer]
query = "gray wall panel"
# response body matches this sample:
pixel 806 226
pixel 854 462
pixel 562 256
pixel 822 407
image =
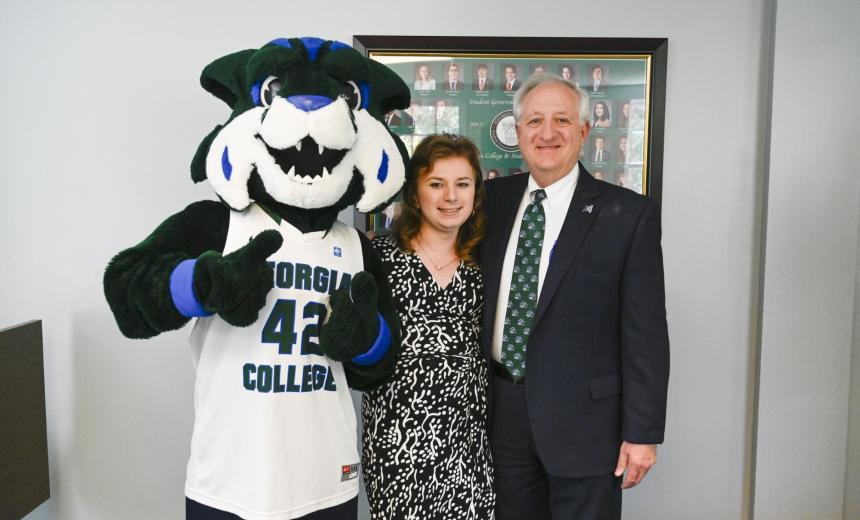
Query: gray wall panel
pixel 811 261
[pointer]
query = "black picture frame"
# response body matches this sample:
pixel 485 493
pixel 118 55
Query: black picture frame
pixel 529 53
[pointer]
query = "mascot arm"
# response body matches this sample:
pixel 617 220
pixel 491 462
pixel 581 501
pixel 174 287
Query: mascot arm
pixel 137 281
pixel 363 330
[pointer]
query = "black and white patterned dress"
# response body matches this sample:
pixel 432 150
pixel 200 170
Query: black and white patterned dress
pixel 425 449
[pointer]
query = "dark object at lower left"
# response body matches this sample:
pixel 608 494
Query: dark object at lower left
pixel 23 434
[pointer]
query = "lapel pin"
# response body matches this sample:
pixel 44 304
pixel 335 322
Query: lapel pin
pixel 587 209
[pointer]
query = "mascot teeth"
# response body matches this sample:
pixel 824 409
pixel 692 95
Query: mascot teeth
pixel 307 179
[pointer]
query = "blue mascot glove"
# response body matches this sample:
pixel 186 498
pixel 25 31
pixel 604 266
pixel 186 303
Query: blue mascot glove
pixel 354 324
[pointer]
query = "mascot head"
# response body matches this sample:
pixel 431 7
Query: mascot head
pixel 306 129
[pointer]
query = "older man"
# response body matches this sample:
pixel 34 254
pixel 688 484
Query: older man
pixel 574 321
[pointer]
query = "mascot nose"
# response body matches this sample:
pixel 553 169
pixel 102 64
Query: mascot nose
pixel 309 103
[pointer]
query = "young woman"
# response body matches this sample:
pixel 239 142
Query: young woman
pixel 600 115
pixel 423 81
pixel 425 448
pixel 624 117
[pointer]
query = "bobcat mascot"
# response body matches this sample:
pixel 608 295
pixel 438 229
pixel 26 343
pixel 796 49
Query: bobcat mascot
pixel 291 307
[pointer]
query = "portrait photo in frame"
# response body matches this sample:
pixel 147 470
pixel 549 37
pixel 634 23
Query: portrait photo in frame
pixel 465 86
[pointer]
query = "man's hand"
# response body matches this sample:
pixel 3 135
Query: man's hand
pixel 636 459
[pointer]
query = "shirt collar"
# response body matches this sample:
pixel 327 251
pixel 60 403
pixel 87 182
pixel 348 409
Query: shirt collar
pixel 558 192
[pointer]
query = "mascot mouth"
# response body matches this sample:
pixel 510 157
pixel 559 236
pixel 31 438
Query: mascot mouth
pixel 307 161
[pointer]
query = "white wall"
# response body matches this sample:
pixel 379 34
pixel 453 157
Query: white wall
pixel 813 215
pixel 101 113
pixel 852 463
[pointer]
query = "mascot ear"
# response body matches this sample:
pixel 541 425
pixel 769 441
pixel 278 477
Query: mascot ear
pixel 224 78
pixel 393 93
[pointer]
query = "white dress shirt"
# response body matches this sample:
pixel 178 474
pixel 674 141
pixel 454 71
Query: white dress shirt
pixel 426 84
pixel 555 206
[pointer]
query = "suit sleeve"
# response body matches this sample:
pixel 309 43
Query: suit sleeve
pixel 368 377
pixel 644 334
pixel 137 280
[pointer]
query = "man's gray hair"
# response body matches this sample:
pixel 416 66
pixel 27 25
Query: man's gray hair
pixel 536 80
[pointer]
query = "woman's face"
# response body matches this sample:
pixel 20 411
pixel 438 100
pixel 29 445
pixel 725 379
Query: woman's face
pixel 622 144
pixel 598 110
pixel 446 194
pixel 565 73
pixel 423 72
pixel 625 109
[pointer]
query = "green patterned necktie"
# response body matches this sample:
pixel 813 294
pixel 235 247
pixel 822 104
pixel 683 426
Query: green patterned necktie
pixel 522 300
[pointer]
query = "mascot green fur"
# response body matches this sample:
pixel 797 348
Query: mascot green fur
pixel 291 306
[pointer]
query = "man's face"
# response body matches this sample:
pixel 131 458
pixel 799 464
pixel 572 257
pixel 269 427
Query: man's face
pixel 453 71
pixel 597 74
pixel 539 70
pixel 598 143
pixel 622 144
pixel 482 72
pixel 510 74
pixel 549 132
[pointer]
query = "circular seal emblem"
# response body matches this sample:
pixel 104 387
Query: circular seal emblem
pixel 503 131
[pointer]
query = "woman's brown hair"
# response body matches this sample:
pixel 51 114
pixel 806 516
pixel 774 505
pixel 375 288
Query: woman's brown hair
pixel 408 223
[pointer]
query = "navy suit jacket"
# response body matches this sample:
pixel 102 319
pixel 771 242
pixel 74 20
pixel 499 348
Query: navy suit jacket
pixel 597 359
pixel 504 85
pixel 458 86
pixel 488 84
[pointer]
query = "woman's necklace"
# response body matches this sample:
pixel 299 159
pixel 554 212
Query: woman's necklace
pixel 433 260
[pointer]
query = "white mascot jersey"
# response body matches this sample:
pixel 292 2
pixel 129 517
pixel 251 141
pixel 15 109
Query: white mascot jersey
pixel 275 429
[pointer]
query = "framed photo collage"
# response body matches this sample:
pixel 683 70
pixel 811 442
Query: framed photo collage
pixel 465 86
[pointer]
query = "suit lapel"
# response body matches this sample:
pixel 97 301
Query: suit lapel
pixel 493 255
pixel 580 215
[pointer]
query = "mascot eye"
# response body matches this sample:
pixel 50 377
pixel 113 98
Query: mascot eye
pixel 269 89
pixel 352 94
